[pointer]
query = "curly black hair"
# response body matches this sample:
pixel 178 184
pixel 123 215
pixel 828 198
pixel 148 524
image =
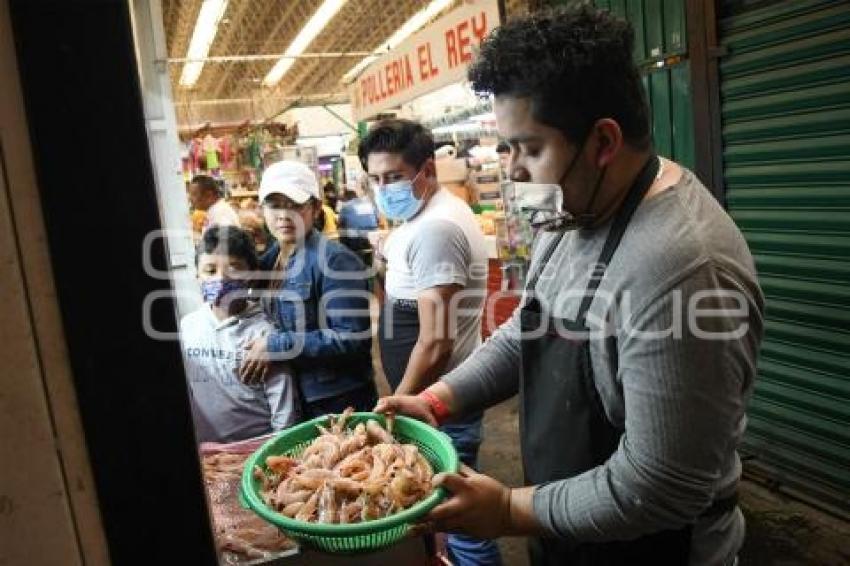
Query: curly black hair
pixel 576 66
pixel 394 135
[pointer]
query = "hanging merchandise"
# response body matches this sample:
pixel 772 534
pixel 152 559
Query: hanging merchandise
pixel 186 163
pixel 210 145
pixel 255 152
pixel 227 157
pixel 195 155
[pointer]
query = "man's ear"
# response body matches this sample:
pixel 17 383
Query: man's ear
pixel 609 140
pixel 430 168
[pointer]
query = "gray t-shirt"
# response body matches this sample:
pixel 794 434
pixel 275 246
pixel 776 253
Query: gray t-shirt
pixel 225 409
pixel 675 379
pixel 443 245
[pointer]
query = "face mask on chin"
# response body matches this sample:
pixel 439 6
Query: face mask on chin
pixel 542 204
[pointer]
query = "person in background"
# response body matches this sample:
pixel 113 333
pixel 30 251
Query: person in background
pixel 331 195
pixel 436 270
pixel 364 187
pixel 357 217
pixel 198 219
pixel 252 222
pixel 224 407
pixel 249 203
pixel 327 221
pixel 634 350
pixel 318 300
pixel 205 194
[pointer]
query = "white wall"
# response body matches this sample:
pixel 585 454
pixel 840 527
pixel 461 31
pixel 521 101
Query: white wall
pixel 165 152
pixel 314 121
pixel 444 101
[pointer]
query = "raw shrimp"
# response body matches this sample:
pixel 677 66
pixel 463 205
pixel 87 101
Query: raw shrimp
pixel 355 463
pixel 352 444
pixel 281 464
pixel 338 425
pixel 307 510
pixel 326 449
pixel 313 478
pixel 347 475
pixel 289 497
pixel 347 486
pixel 410 453
pixel 292 509
pixel 328 504
pixel 377 434
pixel 404 489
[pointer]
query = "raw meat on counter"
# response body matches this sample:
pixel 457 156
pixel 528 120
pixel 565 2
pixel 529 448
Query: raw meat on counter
pixel 241 536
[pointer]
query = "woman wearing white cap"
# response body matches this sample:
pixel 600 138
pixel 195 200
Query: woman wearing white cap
pixel 317 298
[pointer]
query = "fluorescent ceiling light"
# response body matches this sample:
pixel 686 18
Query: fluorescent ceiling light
pixel 407 29
pixel 202 38
pixel 308 33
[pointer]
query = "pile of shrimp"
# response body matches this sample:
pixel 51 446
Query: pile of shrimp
pixel 347 475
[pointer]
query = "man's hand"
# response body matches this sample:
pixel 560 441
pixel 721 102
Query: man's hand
pixel 410 405
pixel 479 506
pixel 255 366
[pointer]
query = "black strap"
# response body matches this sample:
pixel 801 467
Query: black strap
pixel 544 261
pixel 636 193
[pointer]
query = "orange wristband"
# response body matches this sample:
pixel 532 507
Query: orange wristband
pixel 438 408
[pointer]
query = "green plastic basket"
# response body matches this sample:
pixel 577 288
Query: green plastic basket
pixel 367 536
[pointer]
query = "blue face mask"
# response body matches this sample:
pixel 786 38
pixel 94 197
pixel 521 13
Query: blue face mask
pixel 397 201
pixel 214 290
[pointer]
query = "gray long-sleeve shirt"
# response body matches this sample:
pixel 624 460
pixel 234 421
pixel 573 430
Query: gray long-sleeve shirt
pixel 676 379
pixel 223 408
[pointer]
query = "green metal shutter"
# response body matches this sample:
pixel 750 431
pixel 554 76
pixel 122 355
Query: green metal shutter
pixel 785 85
pixel 660 34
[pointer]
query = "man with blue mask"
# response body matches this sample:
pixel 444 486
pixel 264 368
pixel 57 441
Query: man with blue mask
pixel 436 270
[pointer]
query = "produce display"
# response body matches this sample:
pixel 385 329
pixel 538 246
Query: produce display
pixel 346 475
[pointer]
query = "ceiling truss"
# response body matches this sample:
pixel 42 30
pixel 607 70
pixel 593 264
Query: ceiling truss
pixel 252 36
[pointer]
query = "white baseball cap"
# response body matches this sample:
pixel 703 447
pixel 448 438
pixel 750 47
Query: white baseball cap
pixel 291 179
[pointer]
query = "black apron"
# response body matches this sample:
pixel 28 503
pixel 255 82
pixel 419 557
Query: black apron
pixel 397 336
pixel 563 425
pixel 398 331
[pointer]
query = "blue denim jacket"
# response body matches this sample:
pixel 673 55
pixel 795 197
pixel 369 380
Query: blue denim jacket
pixel 322 309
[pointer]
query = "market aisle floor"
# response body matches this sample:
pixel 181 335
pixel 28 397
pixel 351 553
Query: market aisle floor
pixel 500 458
pixel 780 531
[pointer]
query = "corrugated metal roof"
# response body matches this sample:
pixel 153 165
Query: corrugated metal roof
pixel 230 91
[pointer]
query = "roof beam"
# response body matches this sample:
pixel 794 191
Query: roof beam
pixel 266 57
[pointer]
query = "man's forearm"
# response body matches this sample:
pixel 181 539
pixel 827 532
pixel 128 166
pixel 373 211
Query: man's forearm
pixel 521 518
pixel 426 364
